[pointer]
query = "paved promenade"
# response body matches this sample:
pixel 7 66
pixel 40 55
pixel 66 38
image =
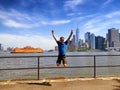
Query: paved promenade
pixel 63 84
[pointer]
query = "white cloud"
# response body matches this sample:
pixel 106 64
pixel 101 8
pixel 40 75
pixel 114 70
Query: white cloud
pixel 21 20
pixel 55 22
pixel 12 23
pixel 91 23
pixel 72 3
pixel 60 22
pixel 19 15
pixel 15 19
pixel 106 3
pixel 94 30
pixel 70 14
pixel 14 14
pixel 9 40
pixel 113 14
pixel 74 14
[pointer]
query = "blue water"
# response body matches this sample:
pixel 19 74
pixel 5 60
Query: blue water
pixel 58 72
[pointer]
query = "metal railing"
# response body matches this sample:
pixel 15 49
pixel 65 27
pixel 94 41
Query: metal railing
pixel 44 56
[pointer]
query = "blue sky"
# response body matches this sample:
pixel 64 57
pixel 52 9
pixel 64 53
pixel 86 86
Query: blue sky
pixel 29 22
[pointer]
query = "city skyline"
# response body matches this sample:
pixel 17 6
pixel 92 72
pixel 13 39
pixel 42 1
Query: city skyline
pixel 29 23
pixel 110 42
pixel 113 36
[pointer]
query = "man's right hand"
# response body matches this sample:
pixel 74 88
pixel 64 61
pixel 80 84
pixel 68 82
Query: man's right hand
pixel 52 31
pixel 54 35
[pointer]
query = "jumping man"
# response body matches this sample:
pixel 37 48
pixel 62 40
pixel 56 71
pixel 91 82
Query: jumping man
pixel 62 46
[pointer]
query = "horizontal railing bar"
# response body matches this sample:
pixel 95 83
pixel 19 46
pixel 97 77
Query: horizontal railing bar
pixel 62 67
pixel 47 68
pixel 18 68
pixel 54 56
pixel 88 55
pixel 78 67
pixel 66 67
pixel 19 56
pixel 109 66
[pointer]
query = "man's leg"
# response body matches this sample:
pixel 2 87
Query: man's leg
pixel 64 61
pixel 58 62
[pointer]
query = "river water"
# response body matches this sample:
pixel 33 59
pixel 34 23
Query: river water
pixel 32 62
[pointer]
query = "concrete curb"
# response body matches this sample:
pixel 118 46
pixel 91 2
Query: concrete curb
pixel 55 80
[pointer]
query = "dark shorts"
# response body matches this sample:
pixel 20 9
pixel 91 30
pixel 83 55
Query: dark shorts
pixel 61 58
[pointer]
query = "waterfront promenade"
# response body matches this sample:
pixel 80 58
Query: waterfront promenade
pixel 63 84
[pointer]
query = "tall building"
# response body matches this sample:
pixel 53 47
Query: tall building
pixel 71 45
pixel 87 39
pixel 113 37
pixel 100 43
pixel 92 41
pixel 77 38
pixel 0 46
pixel 80 42
pixel 119 36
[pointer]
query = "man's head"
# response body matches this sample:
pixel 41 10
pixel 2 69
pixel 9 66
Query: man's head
pixel 62 39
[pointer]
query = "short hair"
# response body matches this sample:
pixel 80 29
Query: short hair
pixel 61 37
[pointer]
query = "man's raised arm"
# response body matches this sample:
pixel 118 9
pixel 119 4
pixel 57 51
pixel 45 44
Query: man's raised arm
pixel 70 35
pixel 54 35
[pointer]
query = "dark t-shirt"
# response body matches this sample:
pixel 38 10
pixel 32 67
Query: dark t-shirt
pixel 62 48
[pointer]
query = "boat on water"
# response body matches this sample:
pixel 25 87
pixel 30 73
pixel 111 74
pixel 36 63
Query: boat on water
pixel 27 49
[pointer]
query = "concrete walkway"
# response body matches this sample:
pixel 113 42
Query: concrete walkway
pixel 63 84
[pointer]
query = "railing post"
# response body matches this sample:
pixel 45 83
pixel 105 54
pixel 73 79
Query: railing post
pixel 38 66
pixel 94 66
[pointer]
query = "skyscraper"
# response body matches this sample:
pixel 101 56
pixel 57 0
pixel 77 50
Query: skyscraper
pixel 100 43
pixel 113 37
pixel 0 46
pixel 92 41
pixel 77 38
pixel 87 39
pixel 71 45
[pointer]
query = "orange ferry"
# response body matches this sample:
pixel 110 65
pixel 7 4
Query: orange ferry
pixel 27 49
